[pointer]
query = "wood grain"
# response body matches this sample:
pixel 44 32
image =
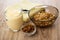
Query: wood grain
pixel 49 33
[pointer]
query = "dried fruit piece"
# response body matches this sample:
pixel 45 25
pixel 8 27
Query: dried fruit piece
pixel 28 28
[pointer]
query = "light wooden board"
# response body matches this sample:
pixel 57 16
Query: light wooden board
pixel 50 33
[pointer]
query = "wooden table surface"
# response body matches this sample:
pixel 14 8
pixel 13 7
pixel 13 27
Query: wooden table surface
pixel 49 33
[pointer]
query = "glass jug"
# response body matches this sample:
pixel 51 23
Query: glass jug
pixel 14 19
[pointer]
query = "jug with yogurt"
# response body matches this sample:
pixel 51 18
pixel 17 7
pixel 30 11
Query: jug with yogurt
pixel 14 19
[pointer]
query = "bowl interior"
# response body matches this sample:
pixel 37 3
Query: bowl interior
pixel 49 9
pixel 31 33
